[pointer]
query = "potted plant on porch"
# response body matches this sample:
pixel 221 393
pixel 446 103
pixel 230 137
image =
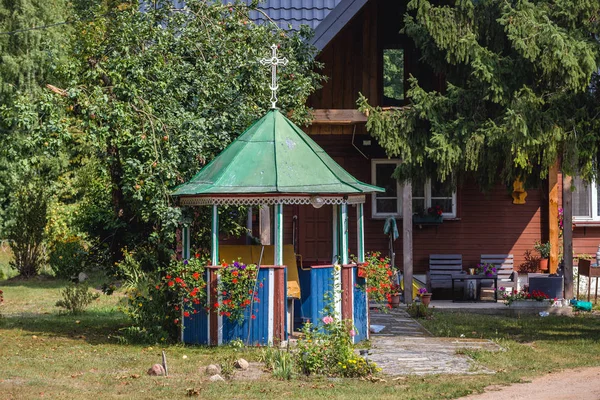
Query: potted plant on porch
pixel 544 250
pixel 425 296
pixel 395 295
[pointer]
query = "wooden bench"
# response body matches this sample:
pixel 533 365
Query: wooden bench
pixel 504 263
pixel 441 269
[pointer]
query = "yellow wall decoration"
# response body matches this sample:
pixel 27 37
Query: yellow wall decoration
pixel 519 194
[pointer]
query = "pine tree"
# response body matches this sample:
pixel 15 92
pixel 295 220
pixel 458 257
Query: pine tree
pixel 31 57
pixel 520 91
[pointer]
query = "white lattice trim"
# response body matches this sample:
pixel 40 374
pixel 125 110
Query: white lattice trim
pixel 268 200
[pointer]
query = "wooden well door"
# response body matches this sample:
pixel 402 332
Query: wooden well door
pixel 315 234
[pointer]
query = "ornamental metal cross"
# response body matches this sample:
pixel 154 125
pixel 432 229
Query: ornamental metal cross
pixel 274 62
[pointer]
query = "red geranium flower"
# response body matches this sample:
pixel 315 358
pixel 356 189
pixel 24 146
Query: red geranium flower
pixel 170 283
pixel 253 316
pixel 196 275
pixel 186 314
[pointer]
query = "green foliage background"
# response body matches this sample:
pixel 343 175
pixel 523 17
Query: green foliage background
pixel 140 100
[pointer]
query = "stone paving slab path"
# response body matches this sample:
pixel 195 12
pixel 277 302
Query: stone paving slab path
pixel 404 347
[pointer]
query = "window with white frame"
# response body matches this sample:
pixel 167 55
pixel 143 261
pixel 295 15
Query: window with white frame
pixel 585 200
pixel 428 193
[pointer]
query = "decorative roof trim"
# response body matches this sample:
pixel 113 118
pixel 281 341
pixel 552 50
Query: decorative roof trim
pixel 335 21
pixel 267 200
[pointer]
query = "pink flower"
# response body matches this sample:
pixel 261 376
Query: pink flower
pixel 352 332
pixel 327 320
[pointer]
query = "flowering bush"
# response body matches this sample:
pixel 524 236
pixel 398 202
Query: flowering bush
pixel 377 272
pixel 237 287
pixel 67 256
pixel 485 269
pixel 522 295
pixel 327 350
pixel 156 307
pixel 435 211
pixel 185 280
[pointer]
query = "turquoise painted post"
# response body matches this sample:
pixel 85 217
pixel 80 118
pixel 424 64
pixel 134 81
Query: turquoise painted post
pixel 360 235
pixel 214 259
pixel 335 236
pixel 185 251
pixel 278 234
pixel 344 233
pixel 214 243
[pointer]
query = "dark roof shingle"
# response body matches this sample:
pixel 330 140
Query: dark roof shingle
pixel 293 13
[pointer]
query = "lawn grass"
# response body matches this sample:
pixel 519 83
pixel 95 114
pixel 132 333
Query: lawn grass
pixel 79 357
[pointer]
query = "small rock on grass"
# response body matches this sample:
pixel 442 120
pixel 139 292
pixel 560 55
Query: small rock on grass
pixel 82 277
pixel 242 364
pixel 156 370
pixel 213 369
pixel 217 378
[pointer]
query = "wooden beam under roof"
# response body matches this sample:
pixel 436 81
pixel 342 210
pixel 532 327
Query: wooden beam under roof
pixel 338 117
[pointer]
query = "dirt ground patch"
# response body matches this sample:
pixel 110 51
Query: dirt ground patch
pixel 581 383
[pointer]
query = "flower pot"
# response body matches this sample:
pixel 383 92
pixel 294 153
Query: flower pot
pixel 544 304
pixel 395 300
pixel 544 264
pixel 426 298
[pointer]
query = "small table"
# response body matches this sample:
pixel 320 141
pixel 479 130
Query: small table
pixel 586 268
pixel 465 277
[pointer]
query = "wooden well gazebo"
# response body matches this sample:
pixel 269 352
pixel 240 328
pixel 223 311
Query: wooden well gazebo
pixel 275 163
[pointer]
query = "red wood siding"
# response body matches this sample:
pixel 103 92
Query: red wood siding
pixel 487 223
pixel 585 238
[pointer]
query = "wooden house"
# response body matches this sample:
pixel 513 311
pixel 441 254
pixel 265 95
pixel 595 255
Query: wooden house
pixel 359 42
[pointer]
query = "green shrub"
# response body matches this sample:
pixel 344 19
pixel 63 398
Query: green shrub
pixel 67 257
pixel 157 302
pixel 76 297
pixel 419 310
pixel 25 228
pixel 327 350
pixel 279 362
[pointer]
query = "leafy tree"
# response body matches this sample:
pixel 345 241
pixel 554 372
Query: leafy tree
pixel 154 94
pixel 30 58
pixel 520 91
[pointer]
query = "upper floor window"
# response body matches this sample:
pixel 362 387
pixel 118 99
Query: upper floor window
pixel 393 77
pixel 426 193
pixel 585 200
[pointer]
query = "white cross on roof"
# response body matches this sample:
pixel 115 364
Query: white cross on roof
pixel 274 62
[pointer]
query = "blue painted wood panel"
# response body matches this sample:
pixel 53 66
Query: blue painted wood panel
pixel 304 309
pixel 322 286
pixel 252 331
pixel 195 327
pixel 360 314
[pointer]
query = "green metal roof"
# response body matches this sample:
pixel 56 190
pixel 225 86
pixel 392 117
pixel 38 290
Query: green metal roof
pixel 273 156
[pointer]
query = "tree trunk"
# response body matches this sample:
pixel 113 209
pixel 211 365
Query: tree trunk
pixel 407 241
pixel 568 235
